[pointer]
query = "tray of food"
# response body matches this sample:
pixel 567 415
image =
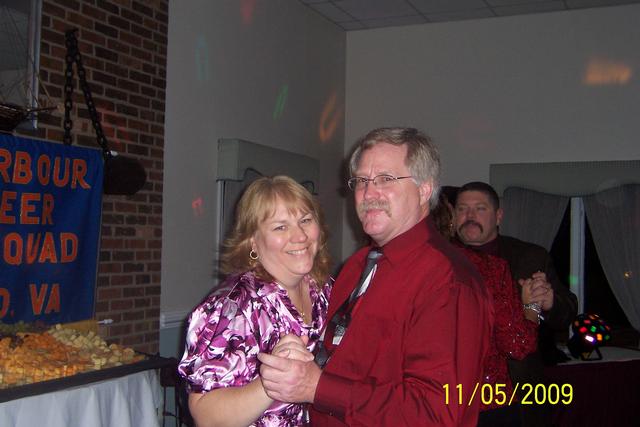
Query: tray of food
pixel 36 359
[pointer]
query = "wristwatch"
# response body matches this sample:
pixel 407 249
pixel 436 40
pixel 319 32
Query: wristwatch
pixel 535 307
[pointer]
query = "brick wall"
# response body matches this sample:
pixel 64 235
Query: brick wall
pixel 124 48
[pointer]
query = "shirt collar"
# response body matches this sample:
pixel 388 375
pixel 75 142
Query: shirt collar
pixel 490 247
pixel 264 288
pixel 400 246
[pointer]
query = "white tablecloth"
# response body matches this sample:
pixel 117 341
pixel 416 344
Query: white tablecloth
pixel 609 354
pixel 130 401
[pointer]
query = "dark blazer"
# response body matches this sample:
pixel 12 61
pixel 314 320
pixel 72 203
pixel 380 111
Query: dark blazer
pixel 525 259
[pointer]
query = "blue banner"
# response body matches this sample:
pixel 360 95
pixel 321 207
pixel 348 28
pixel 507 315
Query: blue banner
pixel 50 209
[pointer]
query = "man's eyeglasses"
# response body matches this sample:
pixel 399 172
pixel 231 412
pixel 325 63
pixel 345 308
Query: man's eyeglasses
pixel 358 183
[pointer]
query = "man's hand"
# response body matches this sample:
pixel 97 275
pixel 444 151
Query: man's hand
pixel 541 290
pixel 289 380
pixel 293 347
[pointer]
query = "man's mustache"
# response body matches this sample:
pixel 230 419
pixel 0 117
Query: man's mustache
pixel 366 205
pixel 471 222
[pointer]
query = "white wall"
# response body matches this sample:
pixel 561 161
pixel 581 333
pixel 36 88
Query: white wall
pixel 503 90
pixel 227 63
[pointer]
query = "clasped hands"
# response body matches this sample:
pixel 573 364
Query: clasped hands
pixel 537 289
pixel 289 373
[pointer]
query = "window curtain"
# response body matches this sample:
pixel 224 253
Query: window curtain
pixel 614 218
pixel 532 216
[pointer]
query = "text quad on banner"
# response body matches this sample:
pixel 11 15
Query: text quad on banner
pixel 50 209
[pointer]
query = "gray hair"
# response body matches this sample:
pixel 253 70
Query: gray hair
pixel 422 159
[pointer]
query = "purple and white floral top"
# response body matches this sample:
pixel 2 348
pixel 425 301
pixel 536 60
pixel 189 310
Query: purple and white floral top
pixel 241 318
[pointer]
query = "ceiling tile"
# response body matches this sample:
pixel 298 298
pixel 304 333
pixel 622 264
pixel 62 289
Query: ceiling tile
pixel 438 6
pixel 375 9
pixel 578 4
pixel 331 12
pixel 459 16
pixel 522 9
pixel 512 2
pixel 395 22
pixel 362 14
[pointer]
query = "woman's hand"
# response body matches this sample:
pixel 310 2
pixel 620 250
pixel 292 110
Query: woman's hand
pixel 529 295
pixel 293 347
pixel 526 289
pixel 537 290
pixel 541 290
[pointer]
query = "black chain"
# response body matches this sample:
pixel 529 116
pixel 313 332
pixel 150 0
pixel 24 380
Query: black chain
pixel 68 91
pixel 73 55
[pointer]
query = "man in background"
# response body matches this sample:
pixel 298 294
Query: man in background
pixel 405 341
pixel 477 218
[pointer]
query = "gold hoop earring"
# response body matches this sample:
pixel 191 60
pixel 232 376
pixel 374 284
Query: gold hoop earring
pixel 253 255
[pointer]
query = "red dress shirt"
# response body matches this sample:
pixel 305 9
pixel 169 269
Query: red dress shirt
pixel 514 337
pixel 423 323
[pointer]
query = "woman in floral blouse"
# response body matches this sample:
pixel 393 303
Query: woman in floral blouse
pixel 277 264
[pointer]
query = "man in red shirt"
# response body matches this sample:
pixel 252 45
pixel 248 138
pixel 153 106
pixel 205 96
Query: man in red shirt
pixel 408 349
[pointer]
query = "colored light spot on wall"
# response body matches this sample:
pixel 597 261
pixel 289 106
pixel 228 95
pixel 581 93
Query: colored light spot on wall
pixel 281 101
pixel 197 207
pixel 247 7
pixel 329 118
pixel 601 72
pixel 573 280
pixel 202 60
pixel 627 275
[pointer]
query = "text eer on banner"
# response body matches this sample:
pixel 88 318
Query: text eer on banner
pixel 50 208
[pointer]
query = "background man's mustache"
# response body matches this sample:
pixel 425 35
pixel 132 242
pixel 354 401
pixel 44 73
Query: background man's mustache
pixel 471 222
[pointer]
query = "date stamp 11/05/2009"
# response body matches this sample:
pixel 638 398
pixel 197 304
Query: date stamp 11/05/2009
pixel 496 394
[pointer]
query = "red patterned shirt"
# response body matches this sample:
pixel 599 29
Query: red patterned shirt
pixel 513 337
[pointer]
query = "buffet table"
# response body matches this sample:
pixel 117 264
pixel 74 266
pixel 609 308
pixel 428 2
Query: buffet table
pixel 605 392
pixel 126 396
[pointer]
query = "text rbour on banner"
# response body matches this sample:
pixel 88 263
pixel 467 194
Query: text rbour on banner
pixel 50 208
